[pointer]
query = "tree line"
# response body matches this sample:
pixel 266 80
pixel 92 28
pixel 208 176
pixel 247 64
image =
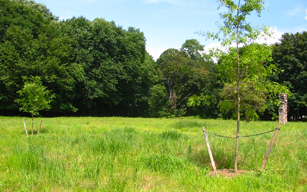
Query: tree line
pixel 96 68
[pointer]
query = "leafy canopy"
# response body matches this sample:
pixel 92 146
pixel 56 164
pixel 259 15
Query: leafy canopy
pixel 235 26
pixel 34 96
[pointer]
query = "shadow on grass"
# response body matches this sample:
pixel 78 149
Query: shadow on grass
pixel 35 131
pixel 172 135
pixel 180 124
pixel 223 159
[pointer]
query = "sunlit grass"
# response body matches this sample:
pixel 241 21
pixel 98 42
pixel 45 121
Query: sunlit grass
pixel 147 154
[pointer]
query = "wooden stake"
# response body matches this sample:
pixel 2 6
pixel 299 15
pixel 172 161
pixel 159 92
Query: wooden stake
pixel 24 124
pixel 270 147
pixel 282 120
pixel 209 150
pixel 40 124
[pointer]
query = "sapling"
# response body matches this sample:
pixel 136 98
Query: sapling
pixel 34 97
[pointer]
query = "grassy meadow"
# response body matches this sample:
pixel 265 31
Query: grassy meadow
pixel 147 154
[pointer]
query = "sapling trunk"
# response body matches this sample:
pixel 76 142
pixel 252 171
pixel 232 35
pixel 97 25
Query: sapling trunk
pixel 238 94
pixel 237 137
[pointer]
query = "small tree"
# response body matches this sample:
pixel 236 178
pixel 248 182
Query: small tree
pixel 242 70
pixel 34 97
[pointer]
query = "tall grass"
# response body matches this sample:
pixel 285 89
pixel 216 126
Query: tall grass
pixel 144 154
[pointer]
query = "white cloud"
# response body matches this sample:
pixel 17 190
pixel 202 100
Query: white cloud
pixel 155 53
pixel 273 38
pixel 306 15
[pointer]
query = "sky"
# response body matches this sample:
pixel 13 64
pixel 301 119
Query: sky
pixel 169 23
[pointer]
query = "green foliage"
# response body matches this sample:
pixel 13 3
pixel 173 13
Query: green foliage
pixel 117 71
pixel 34 45
pixel 157 100
pixel 34 97
pixel 38 7
pixel 184 73
pixel 92 67
pixel 193 48
pixel 205 102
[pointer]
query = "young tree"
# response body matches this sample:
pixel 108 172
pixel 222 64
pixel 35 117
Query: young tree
pixel 244 70
pixel 34 97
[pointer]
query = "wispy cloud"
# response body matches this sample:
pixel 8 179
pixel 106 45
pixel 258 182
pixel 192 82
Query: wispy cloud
pixel 306 15
pixel 294 12
pixel 174 2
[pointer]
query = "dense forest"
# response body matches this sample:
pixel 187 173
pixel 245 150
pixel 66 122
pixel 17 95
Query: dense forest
pixel 97 68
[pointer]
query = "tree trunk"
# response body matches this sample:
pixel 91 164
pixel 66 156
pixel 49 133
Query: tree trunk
pixel 237 136
pixel 238 93
pixel 247 119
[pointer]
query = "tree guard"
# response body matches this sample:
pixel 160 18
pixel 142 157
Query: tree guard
pixel 283 108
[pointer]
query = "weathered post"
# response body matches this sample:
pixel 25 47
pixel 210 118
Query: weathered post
pixel 40 124
pixel 24 124
pixel 282 120
pixel 209 150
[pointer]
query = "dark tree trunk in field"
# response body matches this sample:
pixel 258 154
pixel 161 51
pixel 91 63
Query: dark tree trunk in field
pixel 247 119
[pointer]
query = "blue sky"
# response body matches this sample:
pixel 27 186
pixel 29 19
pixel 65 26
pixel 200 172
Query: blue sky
pixel 169 23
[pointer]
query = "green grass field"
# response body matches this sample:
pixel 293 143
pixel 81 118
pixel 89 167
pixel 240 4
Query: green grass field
pixel 147 154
